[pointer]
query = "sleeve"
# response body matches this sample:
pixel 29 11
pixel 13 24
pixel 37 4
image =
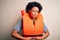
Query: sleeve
pixel 18 26
pixel 45 28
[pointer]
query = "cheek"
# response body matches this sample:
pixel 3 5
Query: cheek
pixel 31 15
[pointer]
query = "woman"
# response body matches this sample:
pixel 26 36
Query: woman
pixel 31 24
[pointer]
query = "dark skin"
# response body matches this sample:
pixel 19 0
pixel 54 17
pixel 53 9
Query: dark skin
pixel 33 13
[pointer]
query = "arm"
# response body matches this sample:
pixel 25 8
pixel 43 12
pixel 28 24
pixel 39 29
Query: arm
pixel 45 33
pixel 17 29
pixel 15 34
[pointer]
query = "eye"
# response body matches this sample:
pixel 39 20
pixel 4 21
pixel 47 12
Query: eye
pixel 36 11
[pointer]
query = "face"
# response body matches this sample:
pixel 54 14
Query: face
pixel 33 12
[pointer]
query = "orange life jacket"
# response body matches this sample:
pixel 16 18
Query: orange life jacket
pixel 29 28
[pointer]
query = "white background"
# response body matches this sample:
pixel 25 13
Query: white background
pixel 10 14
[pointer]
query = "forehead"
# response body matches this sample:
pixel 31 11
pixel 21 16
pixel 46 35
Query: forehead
pixel 35 9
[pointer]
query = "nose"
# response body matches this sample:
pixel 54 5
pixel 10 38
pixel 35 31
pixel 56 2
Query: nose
pixel 34 13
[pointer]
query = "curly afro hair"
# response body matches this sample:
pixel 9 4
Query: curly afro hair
pixel 33 4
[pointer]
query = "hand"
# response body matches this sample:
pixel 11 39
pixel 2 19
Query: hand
pixel 28 38
pixel 39 38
